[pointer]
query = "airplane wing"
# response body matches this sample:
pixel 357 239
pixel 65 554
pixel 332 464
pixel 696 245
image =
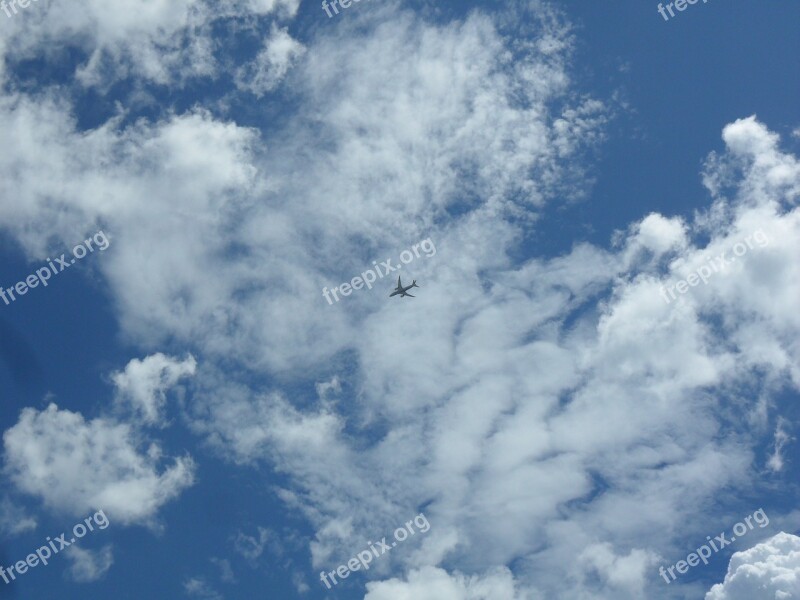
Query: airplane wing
pixel 399 285
pixel 407 294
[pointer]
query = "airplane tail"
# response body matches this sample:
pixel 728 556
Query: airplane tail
pixel 414 283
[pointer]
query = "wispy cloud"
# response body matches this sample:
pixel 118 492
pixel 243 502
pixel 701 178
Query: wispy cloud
pixel 88 565
pixel 197 587
pixel 14 519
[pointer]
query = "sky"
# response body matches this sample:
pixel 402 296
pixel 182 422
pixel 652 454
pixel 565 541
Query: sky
pixel 208 393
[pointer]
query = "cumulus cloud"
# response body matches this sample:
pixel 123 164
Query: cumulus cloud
pixel 659 234
pixel 74 465
pixel 142 386
pixel 161 41
pixel 517 415
pixel 770 569
pixel 548 413
pixel 482 139
pixel 88 565
pixel 436 584
pixel 628 573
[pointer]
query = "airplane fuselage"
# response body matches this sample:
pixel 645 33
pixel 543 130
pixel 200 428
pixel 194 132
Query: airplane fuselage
pixel 401 292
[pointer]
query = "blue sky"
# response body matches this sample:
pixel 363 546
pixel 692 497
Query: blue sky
pixel 564 430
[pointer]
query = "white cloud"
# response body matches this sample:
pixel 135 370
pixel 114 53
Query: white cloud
pixel 769 570
pixel 299 582
pixel 74 465
pixel 249 546
pixel 88 565
pixel 143 384
pixel 163 41
pixel 781 438
pixel 226 571
pixel 628 573
pixel 266 71
pixel 14 519
pixel 436 584
pixel 541 410
pixel 660 234
pixel 499 415
pixel 197 587
pixel 769 175
pixel 480 129
pixel 327 388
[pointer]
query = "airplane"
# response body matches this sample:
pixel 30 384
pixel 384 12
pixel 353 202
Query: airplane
pixel 403 291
